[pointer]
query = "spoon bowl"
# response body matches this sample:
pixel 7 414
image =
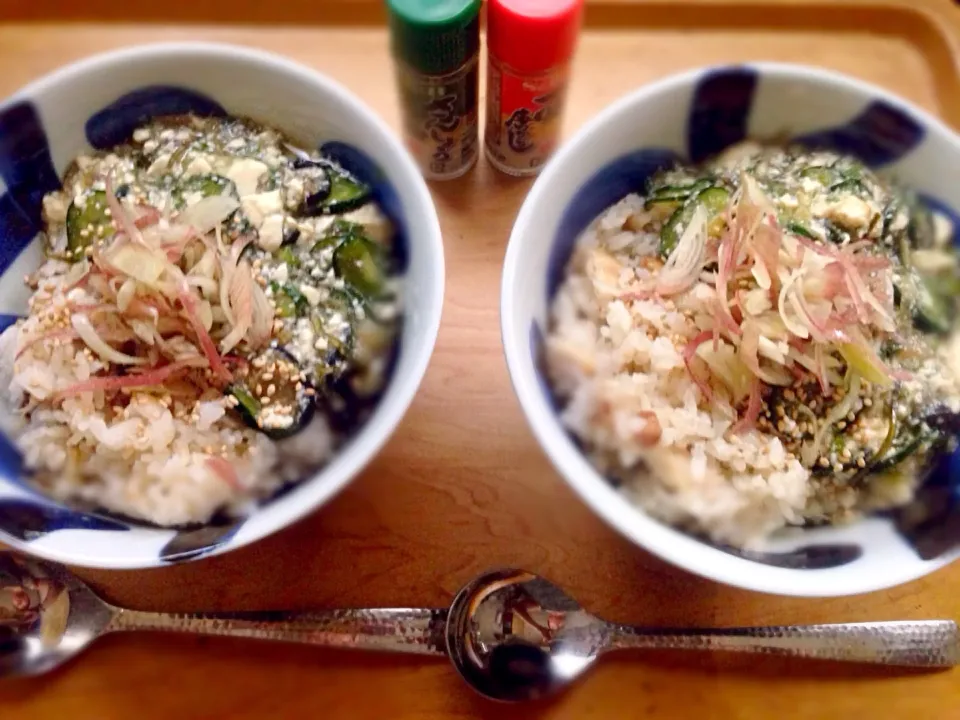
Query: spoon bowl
pixel 514 636
pixel 47 615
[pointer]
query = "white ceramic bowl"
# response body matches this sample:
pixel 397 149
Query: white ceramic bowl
pixel 46 124
pixel 694 115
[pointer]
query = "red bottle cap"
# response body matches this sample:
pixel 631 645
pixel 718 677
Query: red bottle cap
pixel 532 36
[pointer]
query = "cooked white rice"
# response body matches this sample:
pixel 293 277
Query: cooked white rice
pixel 150 459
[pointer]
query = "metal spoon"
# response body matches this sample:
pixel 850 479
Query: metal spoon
pixel 514 636
pixel 510 634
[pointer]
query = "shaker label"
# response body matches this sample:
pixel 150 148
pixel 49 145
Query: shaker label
pixel 440 119
pixel 518 130
pixel 523 116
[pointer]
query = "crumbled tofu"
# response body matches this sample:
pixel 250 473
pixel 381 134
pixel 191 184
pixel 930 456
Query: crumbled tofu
pixel 756 302
pixel 738 153
pixel 208 413
pixel 900 222
pixel 272 155
pixel 942 229
pixel 264 207
pixel 604 271
pixel 140 135
pixel 159 166
pixel 337 323
pixel 198 166
pixel 294 188
pixel 266 203
pixel 933 261
pixel 252 211
pixel 311 294
pixel 303 339
pixel 776 351
pixel 373 221
pixel 246 174
pixel 281 273
pixel 192 198
pixel 850 212
pixel 314 227
pixel 270 237
pixel 55 207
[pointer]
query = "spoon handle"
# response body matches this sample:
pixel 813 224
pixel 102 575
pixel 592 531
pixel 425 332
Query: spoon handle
pixel 921 643
pixel 407 630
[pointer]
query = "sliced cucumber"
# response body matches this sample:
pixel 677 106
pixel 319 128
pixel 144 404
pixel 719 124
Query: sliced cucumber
pixel 272 396
pixel 945 284
pixel 826 176
pixel 205 186
pixel 799 229
pixel 338 231
pixel 329 190
pixel 899 453
pixel 290 236
pixel 248 405
pixel 316 188
pixel 920 229
pixel 673 228
pixel 853 186
pixel 288 300
pixel 177 156
pixel 677 193
pixel 837 181
pixel 932 311
pixel 288 256
pixel 774 188
pixel 890 214
pixel 713 199
pixel 346 194
pixel 88 220
pixel 340 335
pixel 341 301
pixel 359 262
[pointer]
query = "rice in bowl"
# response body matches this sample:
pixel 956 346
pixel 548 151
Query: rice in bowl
pixel 763 341
pixel 215 317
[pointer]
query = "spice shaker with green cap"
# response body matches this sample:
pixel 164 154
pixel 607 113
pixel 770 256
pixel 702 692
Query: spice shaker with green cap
pixel 436 44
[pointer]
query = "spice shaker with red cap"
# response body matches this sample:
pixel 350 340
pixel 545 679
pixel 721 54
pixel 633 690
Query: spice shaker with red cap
pixel 530 46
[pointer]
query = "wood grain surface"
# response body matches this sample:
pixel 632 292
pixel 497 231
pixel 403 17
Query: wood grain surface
pixel 463 486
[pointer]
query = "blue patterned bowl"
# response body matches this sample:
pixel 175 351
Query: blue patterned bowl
pixel 693 116
pixel 97 103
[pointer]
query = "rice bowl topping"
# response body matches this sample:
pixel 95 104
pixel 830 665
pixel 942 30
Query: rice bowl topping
pixel 215 315
pixel 762 341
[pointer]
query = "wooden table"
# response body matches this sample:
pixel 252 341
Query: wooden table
pixel 463 486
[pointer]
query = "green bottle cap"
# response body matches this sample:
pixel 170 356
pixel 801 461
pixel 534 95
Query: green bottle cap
pixel 435 37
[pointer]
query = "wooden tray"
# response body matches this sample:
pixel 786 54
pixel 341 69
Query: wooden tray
pixel 463 486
